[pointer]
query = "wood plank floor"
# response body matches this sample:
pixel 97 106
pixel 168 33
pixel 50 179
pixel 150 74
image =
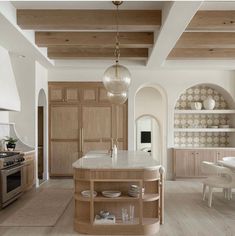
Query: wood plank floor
pixel 185 213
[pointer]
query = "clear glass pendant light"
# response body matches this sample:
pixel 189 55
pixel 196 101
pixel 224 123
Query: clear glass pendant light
pixel 117 99
pixel 117 78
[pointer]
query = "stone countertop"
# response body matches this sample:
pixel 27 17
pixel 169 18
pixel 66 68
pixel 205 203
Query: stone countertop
pixel 209 148
pixel 123 160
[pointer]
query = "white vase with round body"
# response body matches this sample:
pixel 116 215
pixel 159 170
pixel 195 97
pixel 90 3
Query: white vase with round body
pixel 209 103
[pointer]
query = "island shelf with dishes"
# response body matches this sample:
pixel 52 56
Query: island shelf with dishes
pixel 144 209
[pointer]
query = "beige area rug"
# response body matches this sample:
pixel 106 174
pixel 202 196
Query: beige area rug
pixel 43 210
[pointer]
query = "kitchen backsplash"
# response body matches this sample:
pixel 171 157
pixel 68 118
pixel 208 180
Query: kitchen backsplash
pixel 200 139
pixel 198 94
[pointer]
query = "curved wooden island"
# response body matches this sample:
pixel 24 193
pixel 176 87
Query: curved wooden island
pixel 100 172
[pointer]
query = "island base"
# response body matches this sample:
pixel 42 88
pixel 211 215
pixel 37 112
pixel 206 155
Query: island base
pixel 148 205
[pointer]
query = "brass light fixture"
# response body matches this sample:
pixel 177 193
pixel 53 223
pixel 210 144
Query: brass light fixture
pixel 117 78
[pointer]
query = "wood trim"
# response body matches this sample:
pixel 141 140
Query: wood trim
pixel 202 53
pixel 64 52
pixel 206 40
pixel 146 20
pixel 213 20
pixel 94 39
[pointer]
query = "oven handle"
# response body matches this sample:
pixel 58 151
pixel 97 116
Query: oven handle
pixel 12 169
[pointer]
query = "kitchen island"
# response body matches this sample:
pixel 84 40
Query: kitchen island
pixel 98 171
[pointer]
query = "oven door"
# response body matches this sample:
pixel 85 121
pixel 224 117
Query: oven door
pixel 12 182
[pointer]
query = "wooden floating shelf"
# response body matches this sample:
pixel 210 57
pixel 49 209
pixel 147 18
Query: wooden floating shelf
pixel 204 111
pixel 204 130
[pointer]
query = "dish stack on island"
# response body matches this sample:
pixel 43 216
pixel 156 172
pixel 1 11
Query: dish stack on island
pixel 111 209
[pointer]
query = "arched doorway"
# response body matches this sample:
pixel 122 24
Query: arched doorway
pixel 41 137
pixel 150 105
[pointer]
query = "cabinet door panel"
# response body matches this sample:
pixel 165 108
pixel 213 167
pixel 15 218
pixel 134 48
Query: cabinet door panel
pixel 184 163
pixel 97 122
pixel 89 94
pixel 56 94
pixel 91 146
pixel 64 122
pixel 63 154
pixel 200 156
pixel 72 95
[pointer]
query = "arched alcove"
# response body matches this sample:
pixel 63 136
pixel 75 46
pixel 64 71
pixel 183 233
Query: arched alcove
pixel 42 157
pixel 204 128
pixel 151 102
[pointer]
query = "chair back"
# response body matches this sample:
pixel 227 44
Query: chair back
pixel 211 168
pixel 229 159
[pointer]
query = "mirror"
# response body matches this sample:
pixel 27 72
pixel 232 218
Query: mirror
pixel 148 136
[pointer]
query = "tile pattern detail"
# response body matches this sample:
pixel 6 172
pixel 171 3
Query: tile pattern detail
pixel 200 139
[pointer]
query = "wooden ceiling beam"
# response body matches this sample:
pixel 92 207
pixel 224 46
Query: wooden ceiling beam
pixel 213 20
pixel 206 40
pixel 94 39
pixel 202 54
pixel 133 20
pixel 95 53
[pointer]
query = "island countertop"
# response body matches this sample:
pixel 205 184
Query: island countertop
pixel 123 160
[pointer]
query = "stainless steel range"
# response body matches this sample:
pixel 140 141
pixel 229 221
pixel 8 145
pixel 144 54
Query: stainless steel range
pixel 11 176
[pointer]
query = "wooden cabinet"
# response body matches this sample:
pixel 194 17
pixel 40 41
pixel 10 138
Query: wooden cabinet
pixel 29 171
pixel 187 162
pixel 64 94
pixel 148 208
pixel 82 120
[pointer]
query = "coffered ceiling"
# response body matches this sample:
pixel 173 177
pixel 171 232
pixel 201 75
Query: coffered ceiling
pixel 155 33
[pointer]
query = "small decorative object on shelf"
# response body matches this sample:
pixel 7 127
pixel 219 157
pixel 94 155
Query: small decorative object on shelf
pixel 105 217
pixel 209 103
pixel 196 105
pixel 87 193
pixel 11 143
pixel 134 191
pixel 111 194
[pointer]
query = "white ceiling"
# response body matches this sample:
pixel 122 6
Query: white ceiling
pixel 143 5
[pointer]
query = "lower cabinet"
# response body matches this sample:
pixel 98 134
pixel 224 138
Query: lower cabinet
pixel 29 172
pixel 187 162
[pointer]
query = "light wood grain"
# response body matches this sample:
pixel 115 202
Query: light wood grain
pixel 202 53
pixel 94 39
pixel 206 40
pixel 74 52
pixel 213 20
pixel 145 20
pixel 146 213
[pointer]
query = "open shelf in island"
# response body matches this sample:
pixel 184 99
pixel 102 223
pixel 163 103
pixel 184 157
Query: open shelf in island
pixel 149 207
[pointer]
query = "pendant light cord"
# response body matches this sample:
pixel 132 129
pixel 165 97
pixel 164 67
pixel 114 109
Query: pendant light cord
pixel 117 46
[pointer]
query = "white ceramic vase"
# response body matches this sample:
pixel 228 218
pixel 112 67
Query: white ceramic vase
pixel 209 103
pixel 196 105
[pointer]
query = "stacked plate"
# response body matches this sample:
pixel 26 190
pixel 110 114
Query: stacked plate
pixel 134 191
pixel 111 194
pixel 87 193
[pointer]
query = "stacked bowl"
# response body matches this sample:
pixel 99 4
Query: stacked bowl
pixel 134 191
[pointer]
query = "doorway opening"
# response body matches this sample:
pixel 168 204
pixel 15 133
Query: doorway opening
pixel 40 144
pixel 41 137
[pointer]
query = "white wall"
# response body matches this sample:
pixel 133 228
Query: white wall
pixel 41 98
pixel 9 97
pixel 173 82
pixel 24 71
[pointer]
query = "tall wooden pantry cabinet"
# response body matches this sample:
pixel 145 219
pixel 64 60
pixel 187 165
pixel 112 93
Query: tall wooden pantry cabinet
pixel 82 119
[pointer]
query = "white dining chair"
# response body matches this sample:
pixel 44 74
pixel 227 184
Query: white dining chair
pixel 221 177
pixel 228 158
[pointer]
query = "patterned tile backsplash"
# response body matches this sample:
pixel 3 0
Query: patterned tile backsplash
pixel 199 94
pixel 200 139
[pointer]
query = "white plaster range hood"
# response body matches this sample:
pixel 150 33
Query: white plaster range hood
pixel 9 97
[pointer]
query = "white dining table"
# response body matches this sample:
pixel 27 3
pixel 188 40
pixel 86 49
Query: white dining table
pixel 229 164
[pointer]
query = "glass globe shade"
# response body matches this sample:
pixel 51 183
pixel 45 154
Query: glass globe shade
pixel 117 99
pixel 117 79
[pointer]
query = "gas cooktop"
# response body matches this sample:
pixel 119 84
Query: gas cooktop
pixel 8 154
pixel 8 159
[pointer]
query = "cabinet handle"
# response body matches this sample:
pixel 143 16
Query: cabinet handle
pixel 81 140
